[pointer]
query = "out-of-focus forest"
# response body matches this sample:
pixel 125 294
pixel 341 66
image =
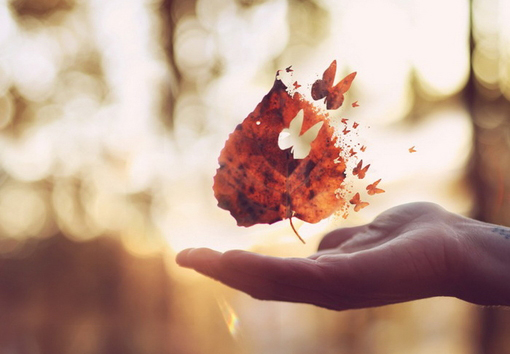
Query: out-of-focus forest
pixel 113 114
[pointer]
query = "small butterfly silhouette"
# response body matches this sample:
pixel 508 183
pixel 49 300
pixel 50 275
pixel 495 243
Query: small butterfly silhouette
pixel 358 204
pixel 372 188
pixel 333 95
pixel 411 149
pixel 355 104
pixel 359 170
pixel 291 137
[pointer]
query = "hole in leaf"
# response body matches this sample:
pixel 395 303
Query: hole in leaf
pixel 291 137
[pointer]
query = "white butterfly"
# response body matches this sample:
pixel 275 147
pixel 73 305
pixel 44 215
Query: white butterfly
pixel 301 144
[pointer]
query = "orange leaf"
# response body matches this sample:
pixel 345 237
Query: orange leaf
pixel 260 180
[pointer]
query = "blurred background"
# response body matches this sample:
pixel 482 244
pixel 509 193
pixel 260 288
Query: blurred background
pixel 113 114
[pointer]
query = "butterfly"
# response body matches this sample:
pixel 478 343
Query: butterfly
pixel 355 104
pixel 301 144
pixel 333 95
pixel 372 188
pixel 411 149
pixel 358 204
pixel 359 170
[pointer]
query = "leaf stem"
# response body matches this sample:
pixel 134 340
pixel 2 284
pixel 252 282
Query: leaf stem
pixel 295 231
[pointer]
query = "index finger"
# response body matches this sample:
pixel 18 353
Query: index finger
pixel 263 277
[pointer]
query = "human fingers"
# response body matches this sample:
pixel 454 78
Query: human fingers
pixel 262 277
pixel 337 237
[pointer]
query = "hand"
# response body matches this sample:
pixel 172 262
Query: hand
pixel 409 252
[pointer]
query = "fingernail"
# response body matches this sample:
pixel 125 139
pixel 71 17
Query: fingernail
pixel 182 257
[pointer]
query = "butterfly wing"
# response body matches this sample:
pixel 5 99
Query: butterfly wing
pixel 372 188
pixel 335 97
pixel 358 204
pixel 321 87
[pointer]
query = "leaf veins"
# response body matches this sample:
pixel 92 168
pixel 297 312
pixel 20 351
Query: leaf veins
pixel 263 177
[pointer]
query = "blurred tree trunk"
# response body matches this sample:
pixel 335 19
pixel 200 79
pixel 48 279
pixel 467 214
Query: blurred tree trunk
pixel 490 176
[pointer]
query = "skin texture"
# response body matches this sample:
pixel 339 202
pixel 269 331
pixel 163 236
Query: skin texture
pixel 409 252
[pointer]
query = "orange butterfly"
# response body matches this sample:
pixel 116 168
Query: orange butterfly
pixel 344 120
pixel 358 204
pixel 355 125
pixel 289 69
pixel 296 85
pixel 363 148
pixel 359 170
pixel 372 188
pixel 355 104
pixel 411 149
pixel 345 131
pixel 333 95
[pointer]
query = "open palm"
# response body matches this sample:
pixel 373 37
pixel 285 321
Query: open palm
pixel 408 252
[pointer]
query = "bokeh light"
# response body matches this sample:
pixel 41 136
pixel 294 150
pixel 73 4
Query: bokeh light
pixel 112 117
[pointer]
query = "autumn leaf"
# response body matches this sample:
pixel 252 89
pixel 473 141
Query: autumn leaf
pixel 333 95
pixel 263 177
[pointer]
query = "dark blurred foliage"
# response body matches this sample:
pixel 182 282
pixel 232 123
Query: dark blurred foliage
pixel 40 8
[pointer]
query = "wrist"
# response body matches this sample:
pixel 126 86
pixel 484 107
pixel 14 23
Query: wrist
pixel 485 275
